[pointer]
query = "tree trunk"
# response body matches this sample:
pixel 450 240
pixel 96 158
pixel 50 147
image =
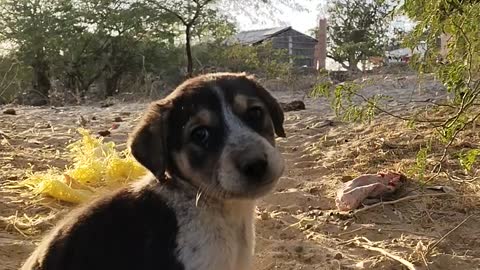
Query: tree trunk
pixel 38 95
pixel 188 49
pixel 41 81
pixel 86 83
pixel 111 84
pixel 353 66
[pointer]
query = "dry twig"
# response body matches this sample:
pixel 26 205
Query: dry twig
pixel 4 135
pixel 424 259
pixel 399 200
pixel 399 259
pixel 430 248
pixel 384 229
pixel 384 252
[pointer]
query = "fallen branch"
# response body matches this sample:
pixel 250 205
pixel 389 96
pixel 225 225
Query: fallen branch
pixel 424 260
pixel 399 200
pixel 384 229
pixel 3 134
pixel 430 248
pixel 399 259
pixel 299 222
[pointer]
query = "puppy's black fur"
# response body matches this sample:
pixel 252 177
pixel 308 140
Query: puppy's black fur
pixel 124 230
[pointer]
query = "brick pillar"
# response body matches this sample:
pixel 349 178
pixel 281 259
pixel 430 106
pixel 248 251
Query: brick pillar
pixel 321 47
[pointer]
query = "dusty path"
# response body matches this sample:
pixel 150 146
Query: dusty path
pixel 294 228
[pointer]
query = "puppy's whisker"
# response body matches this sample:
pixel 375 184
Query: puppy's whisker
pixel 199 195
pixel 203 194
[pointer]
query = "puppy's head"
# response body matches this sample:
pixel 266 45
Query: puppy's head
pixel 216 131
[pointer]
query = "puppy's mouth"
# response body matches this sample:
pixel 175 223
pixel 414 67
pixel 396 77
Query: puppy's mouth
pixel 258 190
pixel 250 189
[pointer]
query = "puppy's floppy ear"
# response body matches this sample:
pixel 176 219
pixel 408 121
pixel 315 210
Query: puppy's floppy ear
pixel 276 112
pixel 148 142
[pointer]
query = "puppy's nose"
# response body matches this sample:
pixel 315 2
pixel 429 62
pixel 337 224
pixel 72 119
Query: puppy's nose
pixel 254 168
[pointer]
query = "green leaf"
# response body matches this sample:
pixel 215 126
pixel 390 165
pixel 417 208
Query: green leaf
pixel 468 158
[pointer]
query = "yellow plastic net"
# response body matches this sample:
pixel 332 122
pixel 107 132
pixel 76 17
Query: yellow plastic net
pixel 96 165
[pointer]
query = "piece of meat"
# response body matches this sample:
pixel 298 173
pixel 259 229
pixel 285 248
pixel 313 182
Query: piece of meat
pixel 354 192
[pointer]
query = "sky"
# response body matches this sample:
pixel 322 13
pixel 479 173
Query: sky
pixel 301 20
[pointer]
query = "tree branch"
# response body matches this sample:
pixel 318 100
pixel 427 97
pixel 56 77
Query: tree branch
pixel 171 11
pixel 198 10
pixel 338 60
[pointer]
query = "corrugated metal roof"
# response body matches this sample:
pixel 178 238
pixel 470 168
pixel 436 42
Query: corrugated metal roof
pixel 255 36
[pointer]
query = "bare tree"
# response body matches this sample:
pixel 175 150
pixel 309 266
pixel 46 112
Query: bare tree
pixel 188 14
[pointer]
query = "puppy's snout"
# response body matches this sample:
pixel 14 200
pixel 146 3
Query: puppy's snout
pixel 255 168
pixel 251 163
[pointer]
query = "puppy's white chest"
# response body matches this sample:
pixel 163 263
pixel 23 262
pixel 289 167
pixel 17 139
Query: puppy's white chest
pixel 211 240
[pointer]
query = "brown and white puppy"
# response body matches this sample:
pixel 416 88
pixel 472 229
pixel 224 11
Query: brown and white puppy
pixel 210 148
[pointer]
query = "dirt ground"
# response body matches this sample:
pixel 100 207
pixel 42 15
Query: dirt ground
pixel 296 228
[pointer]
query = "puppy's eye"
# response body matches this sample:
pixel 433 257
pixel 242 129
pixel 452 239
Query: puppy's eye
pixel 254 113
pixel 200 135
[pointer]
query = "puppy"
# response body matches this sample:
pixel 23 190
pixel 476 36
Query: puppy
pixel 210 150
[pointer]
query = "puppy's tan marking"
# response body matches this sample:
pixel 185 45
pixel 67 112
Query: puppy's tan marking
pixel 183 164
pixel 204 117
pixel 240 103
